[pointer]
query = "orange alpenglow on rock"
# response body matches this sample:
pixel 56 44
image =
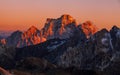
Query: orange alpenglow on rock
pixel 50 31
pixel 59 28
pixel 67 19
pixel 3 41
pixel 31 37
pixel 89 28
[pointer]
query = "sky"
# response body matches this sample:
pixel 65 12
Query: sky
pixel 21 14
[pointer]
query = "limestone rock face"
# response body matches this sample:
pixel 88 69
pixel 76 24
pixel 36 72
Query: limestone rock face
pixel 31 37
pixel 62 27
pixel 89 28
pixel 115 34
pixel 14 39
pixel 98 53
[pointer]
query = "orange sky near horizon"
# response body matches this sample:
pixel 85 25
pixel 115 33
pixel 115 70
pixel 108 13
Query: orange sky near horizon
pixel 21 14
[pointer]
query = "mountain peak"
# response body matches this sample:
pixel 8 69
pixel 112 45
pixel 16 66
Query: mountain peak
pixel 48 20
pixel 114 27
pixel 66 16
pixel 104 30
pixel 17 32
pixel 32 29
pixel 67 19
pixel 62 27
pixel 115 32
pixel 89 28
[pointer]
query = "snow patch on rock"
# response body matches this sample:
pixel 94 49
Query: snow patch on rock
pixel 118 34
pixel 55 45
pixel 107 40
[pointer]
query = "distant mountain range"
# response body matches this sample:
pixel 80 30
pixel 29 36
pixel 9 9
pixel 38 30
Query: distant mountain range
pixel 62 28
pixel 5 34
pixel 62 46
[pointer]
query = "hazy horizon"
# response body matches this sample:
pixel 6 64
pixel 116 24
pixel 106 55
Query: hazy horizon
pixel 20 15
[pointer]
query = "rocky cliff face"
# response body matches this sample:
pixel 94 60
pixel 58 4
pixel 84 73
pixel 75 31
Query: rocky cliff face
pixel 89 28
pixel 115 34
pixel 31 37
pixel 62 27
pixel 63 44
pixel 98 52
pixel 19 39
pixel 14 39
